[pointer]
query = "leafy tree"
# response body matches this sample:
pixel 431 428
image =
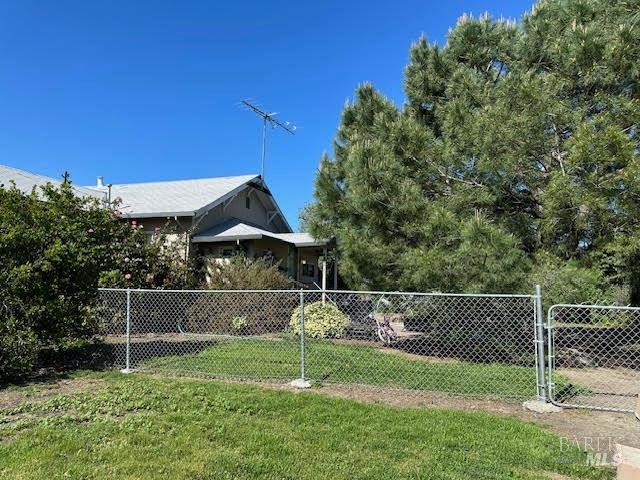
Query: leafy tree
pixel 515 140
pixel 55 250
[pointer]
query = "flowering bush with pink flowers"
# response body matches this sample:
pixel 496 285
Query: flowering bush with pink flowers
pixel 55 250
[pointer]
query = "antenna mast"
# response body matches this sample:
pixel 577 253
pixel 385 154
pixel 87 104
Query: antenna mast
pixel 268 118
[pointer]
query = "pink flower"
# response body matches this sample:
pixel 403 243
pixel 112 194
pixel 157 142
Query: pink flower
pixel 127 276
pixel 91 230
pixel 126 259
pixel 133 222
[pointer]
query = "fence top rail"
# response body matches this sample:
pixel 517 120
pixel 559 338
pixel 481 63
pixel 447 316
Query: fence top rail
pixel 202 290
pixel 592 306
pixel 360 292
pixel 431 294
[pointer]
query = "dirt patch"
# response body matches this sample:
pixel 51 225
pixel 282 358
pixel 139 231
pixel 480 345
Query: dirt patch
pixel 394 351
pixel 610 388
pixel 40 391
pixel 554 476
pixel 414 356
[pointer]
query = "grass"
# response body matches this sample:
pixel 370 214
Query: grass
pixel 328 361
pixel 141 427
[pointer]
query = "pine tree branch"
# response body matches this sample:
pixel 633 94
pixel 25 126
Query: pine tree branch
pixel 446 176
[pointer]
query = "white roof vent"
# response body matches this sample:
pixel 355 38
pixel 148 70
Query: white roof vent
pixel 100 182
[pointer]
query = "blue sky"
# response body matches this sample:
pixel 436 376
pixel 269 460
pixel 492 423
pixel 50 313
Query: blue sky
pixel 144 91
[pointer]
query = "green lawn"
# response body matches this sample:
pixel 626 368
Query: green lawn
pixel 140 427
pixel 348 363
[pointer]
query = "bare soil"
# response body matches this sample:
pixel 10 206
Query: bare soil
pixel 612 388
pixel 41 390
pixel 415 356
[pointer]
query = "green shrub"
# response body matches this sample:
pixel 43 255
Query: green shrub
pixel 241 313
pixel 18 349
pixel 320 320
pixel 56 248
pixel 242 273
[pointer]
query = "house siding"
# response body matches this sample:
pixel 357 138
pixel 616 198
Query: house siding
pixel 257 214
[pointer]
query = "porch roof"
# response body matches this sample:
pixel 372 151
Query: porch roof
pixel 234 229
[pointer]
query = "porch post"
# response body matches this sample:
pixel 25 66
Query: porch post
pixel 335 271
pixel 324 274
pixel 292 264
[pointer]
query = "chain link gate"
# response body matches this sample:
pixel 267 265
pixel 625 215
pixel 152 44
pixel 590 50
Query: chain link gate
pixel 594 356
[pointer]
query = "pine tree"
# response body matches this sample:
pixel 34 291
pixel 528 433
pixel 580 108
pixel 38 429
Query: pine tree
pixel 515 140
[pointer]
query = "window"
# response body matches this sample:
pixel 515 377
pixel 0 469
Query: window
pixel 226 252
pixel 308 270
pixel 247 202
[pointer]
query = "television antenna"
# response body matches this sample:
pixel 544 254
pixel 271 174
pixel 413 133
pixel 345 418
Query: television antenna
pixel 271 120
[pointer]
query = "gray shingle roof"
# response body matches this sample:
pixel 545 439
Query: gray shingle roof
pixel 176 198
pixel 152 199
pixel 27 181
pixel 234 229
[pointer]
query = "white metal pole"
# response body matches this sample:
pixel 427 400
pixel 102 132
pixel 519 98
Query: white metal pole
pixel 127 368
pixel 539 341
pixel 264 146
pixel 302 355
pixel 551 359
pixel 324 275
pixel 302 381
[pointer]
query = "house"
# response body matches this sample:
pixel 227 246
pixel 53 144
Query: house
pixel 216 218
pixel 27 181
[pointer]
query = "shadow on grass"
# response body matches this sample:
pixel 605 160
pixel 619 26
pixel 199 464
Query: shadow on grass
pixel 148 350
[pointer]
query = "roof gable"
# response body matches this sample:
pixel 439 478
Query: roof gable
pixel 177 198
pixel 234 229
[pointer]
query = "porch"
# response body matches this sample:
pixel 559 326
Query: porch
pixel 308 261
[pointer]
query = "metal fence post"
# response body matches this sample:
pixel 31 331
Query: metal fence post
pixel 127 368
pixel 302 355
pixel 302 381
pixel 539 341
pixel 551 357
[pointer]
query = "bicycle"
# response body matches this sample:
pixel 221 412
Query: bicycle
pixel 384 330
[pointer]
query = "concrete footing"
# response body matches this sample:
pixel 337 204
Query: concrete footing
pixel 541 407
pixel 300 383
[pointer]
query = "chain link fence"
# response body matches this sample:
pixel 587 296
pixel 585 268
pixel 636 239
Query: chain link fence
pixel 413 343
pixel 594 356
